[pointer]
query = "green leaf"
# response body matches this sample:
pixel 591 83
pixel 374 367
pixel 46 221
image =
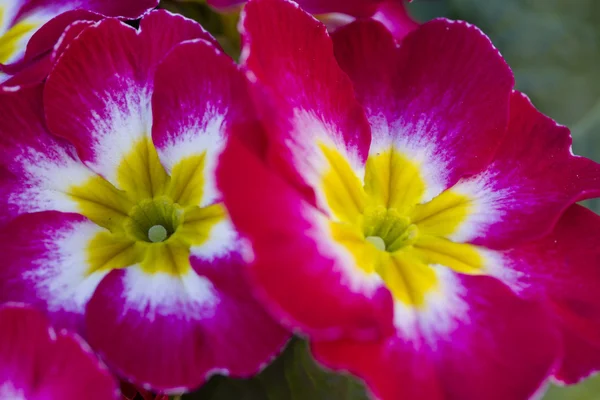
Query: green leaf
pixel 588 390
pixel 292 376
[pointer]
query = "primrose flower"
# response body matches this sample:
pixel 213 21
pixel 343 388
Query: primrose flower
pixel 36 362
pixel 22 20
pixel 416 221
pixel 111 219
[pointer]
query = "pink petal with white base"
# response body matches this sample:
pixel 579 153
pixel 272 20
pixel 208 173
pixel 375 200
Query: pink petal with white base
pixel 306 99
pixel 457 348
pixel 98 95
pixel 532 179
pixel 193 117
pixel 38 170
pixel 172 333
pixel 46 264
pixel 441 98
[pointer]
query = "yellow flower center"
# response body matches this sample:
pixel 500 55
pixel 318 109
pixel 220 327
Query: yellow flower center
pixel 154 219
pixel 387 226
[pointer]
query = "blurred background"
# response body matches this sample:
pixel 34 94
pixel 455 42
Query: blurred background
pixel 553 47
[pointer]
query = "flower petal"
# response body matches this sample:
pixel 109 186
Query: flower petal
pixel 307 279
pixel 98 95
pixel 39 24
pixel 35 71
pixel 562 268
pixel 441 99
pixel 171 333
pixel 45 264
pixel 395 17
pixel 532 179
pixel 133 9
pixel 307 101
pixel 199 95
pixel 19 20
pixel 38 363
pixel 356 8
pixel 38 170
pixel 48 36
pixel 457 349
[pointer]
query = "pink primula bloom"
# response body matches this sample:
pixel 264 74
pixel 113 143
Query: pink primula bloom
pixel 414 215
pixel 31 30
pixel 111 220
pixel 38 363
pixel 335 13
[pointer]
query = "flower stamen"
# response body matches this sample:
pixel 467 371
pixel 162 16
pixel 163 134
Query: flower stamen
pixel 377 242
pixel 157 233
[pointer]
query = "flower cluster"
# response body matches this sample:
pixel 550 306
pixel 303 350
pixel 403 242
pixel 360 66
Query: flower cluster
pixel 382 190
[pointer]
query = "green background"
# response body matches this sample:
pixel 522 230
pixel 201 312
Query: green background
pixel 553 47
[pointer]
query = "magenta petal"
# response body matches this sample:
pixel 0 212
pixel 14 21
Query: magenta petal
pixel 441 98
pixel 305 96
pixel 132 9
pixel 487 344
pixel 38 363
pixel 562 268
pixel 172 333
pixel 394 16
pixel 161 30
pixel 37 169
pixel 44 264
pixel 36 70
pixel 98 92
pixel 54 16
pixel 31 73
pixel 200 97
pixel 532 179
pixel 356 8
pixel 49 34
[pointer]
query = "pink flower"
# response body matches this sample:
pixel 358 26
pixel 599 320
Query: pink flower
pixel 111 219
pixel 336 13
pixel 33 31
pixel 36 362
pixel 413 215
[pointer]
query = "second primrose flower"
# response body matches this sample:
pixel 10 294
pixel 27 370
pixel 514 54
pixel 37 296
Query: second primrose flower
pixel 414 215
